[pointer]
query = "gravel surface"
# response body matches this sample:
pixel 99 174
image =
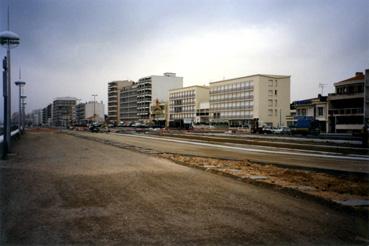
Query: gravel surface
pixel 59 189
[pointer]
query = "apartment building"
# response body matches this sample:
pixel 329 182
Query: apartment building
pixel 63 111
pixel 347 105
pixel 36 117
pixel 250 101
pixel 90 111
pixel 47 115
pixel 128 103
pixel 152 88
pixel 316 108
pixel 184 104
pixel 114 89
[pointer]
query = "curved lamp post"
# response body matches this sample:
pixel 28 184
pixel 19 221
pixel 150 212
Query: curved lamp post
pixel 8 40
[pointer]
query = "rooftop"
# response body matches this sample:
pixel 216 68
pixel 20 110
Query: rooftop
pixel 359 77
pixel 273 76
pixel 189 87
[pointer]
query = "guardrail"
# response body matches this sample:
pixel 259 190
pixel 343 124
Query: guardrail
pixel 13 133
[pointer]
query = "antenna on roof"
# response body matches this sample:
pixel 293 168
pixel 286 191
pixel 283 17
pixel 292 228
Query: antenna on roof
pixel 321 86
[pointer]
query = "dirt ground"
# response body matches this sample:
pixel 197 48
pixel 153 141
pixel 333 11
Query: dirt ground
pixel 59 189
pixel 327 186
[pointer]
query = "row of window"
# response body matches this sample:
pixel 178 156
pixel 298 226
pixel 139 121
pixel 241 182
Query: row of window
pixel 182 109
pixel 230 96
pixel 182 116
pixel 180 94
pixel 232 104
pixel 227 114
pixel 232 86
pixel 182 101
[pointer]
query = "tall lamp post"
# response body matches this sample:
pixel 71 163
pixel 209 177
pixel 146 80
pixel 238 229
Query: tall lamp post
pixel 8 40
pixel 94 95
pixel 20 118
pixel 23 111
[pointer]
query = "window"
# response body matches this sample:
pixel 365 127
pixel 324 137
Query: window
pixel 275 92
pixel 275 103
pixel 320 111
pixel 270 92
pixel 270 112
pixel 270 103
pixel 276 83
pixel 270 83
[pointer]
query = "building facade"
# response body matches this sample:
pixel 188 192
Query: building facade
pixel 37 117
pixel 90 111
pixel 316 108
pixel 346 105
pixel 47 115
pixel 128 103
pixel 152 88
pixel 250 101
pixel 63 111
pixel 159 113
pixel 114 89
pixel 184 104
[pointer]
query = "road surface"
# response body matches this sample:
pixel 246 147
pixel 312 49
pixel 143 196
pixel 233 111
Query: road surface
pixel 59 189
pixel 292 157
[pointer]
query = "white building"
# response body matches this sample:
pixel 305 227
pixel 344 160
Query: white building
pixel 252 101
pixel 90 111
pixel 152 88
pixel 37 117
pixel 184 104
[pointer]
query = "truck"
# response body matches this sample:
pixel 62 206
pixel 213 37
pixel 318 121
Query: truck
pixel 305 125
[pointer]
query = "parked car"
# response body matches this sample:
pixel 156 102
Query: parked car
pixel 282 131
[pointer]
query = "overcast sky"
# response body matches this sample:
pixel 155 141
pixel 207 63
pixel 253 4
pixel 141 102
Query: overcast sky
pixel 74 47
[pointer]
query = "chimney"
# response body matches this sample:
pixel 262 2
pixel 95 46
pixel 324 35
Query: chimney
pixel 359 73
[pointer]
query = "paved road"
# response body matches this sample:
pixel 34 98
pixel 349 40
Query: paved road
pixel 237 151
pixel 59 189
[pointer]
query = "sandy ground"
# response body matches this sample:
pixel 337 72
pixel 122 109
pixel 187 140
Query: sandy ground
pixel 59 189
pixel 327 186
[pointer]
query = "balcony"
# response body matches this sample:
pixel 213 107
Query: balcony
pixel 346 111
pixel 334 96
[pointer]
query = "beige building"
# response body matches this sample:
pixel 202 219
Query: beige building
pixel 250 101
pixel 184 103
pixel 114 89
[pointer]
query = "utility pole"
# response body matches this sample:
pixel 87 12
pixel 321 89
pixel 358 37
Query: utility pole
pixel 94 95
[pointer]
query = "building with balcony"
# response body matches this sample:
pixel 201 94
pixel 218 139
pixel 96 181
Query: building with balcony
pixel 63 111
pixel 114 89
pixel 184 104
pixel 47 115
pixel 152 88
pixel 250 101
pixel 316 108
pixel 128 103
pixel 346 105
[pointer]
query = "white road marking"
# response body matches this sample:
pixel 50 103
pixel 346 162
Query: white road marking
pixel 359 158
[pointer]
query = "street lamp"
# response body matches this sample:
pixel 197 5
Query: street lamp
pixel 23 111
pixel 94 95
pixel 8 40
pixel 20 84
